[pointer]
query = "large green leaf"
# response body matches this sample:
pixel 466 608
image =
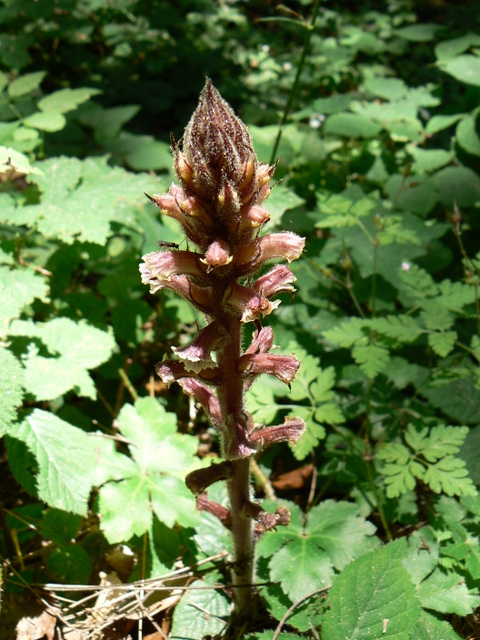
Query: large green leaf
pixel 81 199
pixel 465 68
pixel 305 554
pixel 66 457
pixel 201 612
pixel 76 347
pixel 373 598
pixel 18 288
pixel 154 480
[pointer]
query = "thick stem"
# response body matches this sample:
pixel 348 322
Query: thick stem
pixel 231 399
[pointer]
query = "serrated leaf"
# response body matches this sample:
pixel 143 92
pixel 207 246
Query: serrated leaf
pixel 442 440
pixel 82 198
pixel 11 389
pixel 371 358
pixel 333 535
pixel 55 444
pixel 450 476
pixel 347 333
pixel 442 343
pixel 153 480
pixel 447 593
pixel 18 288
pixel 201 611
pixel 373 598
pixel 401 328
pixel 430 628
pixel 69 563
pixel 79 347
pixel 293 567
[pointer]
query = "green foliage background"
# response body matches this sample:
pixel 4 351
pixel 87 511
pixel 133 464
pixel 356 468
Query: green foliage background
pixel 379 164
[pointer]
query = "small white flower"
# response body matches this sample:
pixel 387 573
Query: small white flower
pixel 264 47
pixel 287 66
pixel 316 120
pixel 405 266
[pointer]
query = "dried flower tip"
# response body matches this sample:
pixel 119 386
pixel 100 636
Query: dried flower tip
pixel 290 431
pixel 163 265
pixel 170 370
pixel 196 355
pixel 248 304
pixel 262 341
pixel 218 254
pixel 278 280
pixel 197 481
pixel 198 296
pixel 258 216
pixel 203 503
pixel 205 397
pixel 282 367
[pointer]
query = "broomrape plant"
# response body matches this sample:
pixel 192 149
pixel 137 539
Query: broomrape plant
pixel 218 204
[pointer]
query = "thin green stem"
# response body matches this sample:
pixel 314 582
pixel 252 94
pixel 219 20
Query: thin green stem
pixel 293 92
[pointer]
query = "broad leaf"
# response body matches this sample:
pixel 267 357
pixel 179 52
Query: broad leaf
pixel 373 598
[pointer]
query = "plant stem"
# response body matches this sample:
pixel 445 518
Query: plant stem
pixel 293 92
pixel 231 399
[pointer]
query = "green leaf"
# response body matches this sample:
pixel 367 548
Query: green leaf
pixel 351 125
pixel 465 68
pixel 142 153
pixel 430 628
pixel 107 123
pixel 458 399
pixel 79 347
pixel 334 534
pixel 81 199
pixel 373 598
pixel 418 32
pixel 442 343
pixel 281 200
pixel 458 184
pixel 69 563
pixel 451 48
pixel 66 99
pixel 26 84
pixel 13 159
pixel 439 123
pixel 54 442
pixel 450 476
pixel 46 121
pixel 18 288
pixel 447 593
pixel 426 160
pixel 467 136
pixel 60 526
pixel 201 611
pixel 401 328
pixel 371 358
pixel 386 88
pixel 154 480
pixel 11 389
